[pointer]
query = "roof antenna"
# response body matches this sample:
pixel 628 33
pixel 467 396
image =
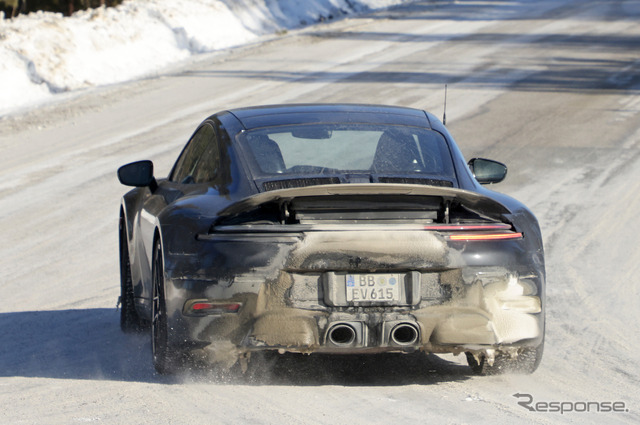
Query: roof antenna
pixel 444 114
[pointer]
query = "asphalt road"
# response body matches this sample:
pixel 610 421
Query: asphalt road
pixel 551 88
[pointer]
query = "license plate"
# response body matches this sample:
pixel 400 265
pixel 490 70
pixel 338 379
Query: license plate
pixel 373 287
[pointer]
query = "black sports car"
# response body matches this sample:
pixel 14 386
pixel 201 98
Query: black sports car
pixel 329 229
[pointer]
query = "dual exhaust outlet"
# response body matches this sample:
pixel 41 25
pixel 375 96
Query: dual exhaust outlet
pixel 348 334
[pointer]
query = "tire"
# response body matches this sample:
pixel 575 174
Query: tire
pixel 526 362
pixel 165 360
pixel 130 320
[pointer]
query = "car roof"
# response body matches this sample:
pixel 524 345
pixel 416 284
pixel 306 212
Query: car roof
pixel 275 115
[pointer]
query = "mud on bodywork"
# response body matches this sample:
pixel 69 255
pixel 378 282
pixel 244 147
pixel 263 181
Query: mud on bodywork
pixel 289 282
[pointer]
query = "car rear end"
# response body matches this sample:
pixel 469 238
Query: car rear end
pixel 363 269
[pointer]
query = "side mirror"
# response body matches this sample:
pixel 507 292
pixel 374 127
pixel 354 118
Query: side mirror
pixel 487 171
pixel 137 174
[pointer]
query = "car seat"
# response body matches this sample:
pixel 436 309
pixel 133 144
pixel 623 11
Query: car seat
pixel 267 154
pixel 396 152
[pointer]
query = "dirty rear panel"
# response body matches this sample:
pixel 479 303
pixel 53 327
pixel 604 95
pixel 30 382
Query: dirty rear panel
pixel 359 273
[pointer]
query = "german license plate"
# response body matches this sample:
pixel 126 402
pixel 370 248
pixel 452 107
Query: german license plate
pixel 373 287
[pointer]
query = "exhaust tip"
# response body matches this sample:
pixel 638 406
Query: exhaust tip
pixel 404 334
pixel 342 335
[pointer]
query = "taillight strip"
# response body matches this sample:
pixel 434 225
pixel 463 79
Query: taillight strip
pixel 463 227
pixel 485 236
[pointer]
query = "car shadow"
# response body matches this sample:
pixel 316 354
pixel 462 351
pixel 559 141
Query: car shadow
pixel 88 344
pixel 383 369
pixel 73 344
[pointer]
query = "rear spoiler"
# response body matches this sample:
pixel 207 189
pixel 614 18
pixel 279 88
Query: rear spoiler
pixel 474 201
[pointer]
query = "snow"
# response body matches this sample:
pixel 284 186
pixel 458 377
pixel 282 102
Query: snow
pixel 42 54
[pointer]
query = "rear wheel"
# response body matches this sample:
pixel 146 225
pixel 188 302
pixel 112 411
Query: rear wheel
pixel 525 362
pixel 164 359
pixel 130 320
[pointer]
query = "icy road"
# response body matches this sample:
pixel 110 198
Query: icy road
pixel 550 87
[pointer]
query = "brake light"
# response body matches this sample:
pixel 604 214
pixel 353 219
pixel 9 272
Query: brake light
pixel 206 307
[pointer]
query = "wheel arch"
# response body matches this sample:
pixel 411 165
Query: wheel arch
pixel 157 238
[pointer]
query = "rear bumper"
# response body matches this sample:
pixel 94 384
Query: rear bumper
pixel 498 311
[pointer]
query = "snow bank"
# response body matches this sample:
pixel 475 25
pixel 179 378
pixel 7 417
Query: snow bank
pixel 42 54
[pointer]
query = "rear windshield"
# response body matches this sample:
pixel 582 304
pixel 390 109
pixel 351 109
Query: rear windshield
pixel 335 149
